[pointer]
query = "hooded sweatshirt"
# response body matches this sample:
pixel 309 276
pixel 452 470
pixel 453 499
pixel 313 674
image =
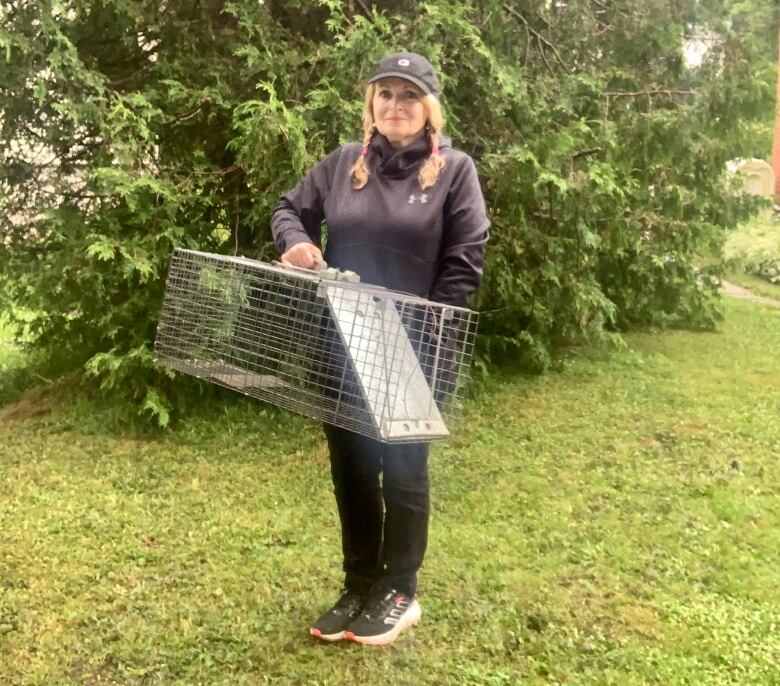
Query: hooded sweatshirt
pixel 392 233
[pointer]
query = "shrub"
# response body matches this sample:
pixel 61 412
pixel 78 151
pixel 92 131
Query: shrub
pixel 755 249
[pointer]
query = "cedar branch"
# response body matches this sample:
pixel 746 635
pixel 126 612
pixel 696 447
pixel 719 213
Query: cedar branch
pixel 540 39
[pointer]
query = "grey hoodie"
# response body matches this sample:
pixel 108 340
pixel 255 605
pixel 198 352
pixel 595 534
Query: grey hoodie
pixel 391 232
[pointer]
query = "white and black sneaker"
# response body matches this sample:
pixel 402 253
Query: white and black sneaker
pixel 386 614
pixel 333 623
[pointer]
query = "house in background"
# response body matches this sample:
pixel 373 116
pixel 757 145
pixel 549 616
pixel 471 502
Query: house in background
pixel 758 176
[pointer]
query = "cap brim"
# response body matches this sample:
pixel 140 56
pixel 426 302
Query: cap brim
pixel 401 75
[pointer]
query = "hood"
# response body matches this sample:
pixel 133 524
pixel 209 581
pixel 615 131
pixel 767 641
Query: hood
pixel 398 164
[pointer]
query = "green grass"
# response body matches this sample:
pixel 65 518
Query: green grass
pixel 615 522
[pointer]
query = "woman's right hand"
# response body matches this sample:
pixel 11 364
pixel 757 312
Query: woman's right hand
pixel 306 255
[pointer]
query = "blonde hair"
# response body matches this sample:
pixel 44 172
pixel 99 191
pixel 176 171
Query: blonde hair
pixel 430 169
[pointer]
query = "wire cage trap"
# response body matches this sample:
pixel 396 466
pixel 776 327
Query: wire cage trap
pixel 384 364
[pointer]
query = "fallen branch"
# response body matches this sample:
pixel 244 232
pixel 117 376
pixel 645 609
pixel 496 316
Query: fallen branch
pixel 527 45
pixel 658 91
pixel 189 115
pixel 544 57
pixel 365 9
pixel 585 153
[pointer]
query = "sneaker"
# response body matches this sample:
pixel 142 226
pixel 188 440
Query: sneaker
pixel 332 625
pixel 386 615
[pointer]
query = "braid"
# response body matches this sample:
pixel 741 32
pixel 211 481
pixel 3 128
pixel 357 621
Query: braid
pixel 429 172
pixel 359 172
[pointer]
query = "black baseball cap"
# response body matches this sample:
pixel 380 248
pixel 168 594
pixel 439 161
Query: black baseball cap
pixel 409 66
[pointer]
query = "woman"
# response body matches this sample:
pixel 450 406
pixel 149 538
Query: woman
pixel 405 211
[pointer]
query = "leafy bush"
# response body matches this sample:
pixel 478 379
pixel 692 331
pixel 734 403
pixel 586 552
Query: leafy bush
pixel 755 249
pixel 127 128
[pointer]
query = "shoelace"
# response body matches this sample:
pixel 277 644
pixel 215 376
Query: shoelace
pixel 378 606
pixel 348 602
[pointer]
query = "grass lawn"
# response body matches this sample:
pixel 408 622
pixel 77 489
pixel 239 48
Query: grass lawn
pixel 616 522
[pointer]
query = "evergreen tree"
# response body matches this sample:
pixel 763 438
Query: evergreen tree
pixel 128 127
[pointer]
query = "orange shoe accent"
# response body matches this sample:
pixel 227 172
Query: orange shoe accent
pixel 349 636
pixel 315 632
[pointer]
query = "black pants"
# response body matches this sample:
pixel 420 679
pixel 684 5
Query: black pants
pixel 384 525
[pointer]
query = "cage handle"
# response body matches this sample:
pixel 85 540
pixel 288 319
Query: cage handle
pixel 322 265
pixel 323 271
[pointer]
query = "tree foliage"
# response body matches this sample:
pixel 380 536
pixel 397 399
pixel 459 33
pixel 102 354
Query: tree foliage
pixel 128 127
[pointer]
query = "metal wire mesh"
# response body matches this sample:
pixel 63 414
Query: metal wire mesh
pixel 383 364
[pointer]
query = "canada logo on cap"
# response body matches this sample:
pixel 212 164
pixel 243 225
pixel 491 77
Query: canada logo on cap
pixel 403 62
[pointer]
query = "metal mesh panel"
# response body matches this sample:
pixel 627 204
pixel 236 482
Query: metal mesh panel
pixel 380 363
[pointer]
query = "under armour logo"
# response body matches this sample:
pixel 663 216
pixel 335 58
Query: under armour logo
pixel 413 198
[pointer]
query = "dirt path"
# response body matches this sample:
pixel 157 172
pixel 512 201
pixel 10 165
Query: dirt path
pixel 743 293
